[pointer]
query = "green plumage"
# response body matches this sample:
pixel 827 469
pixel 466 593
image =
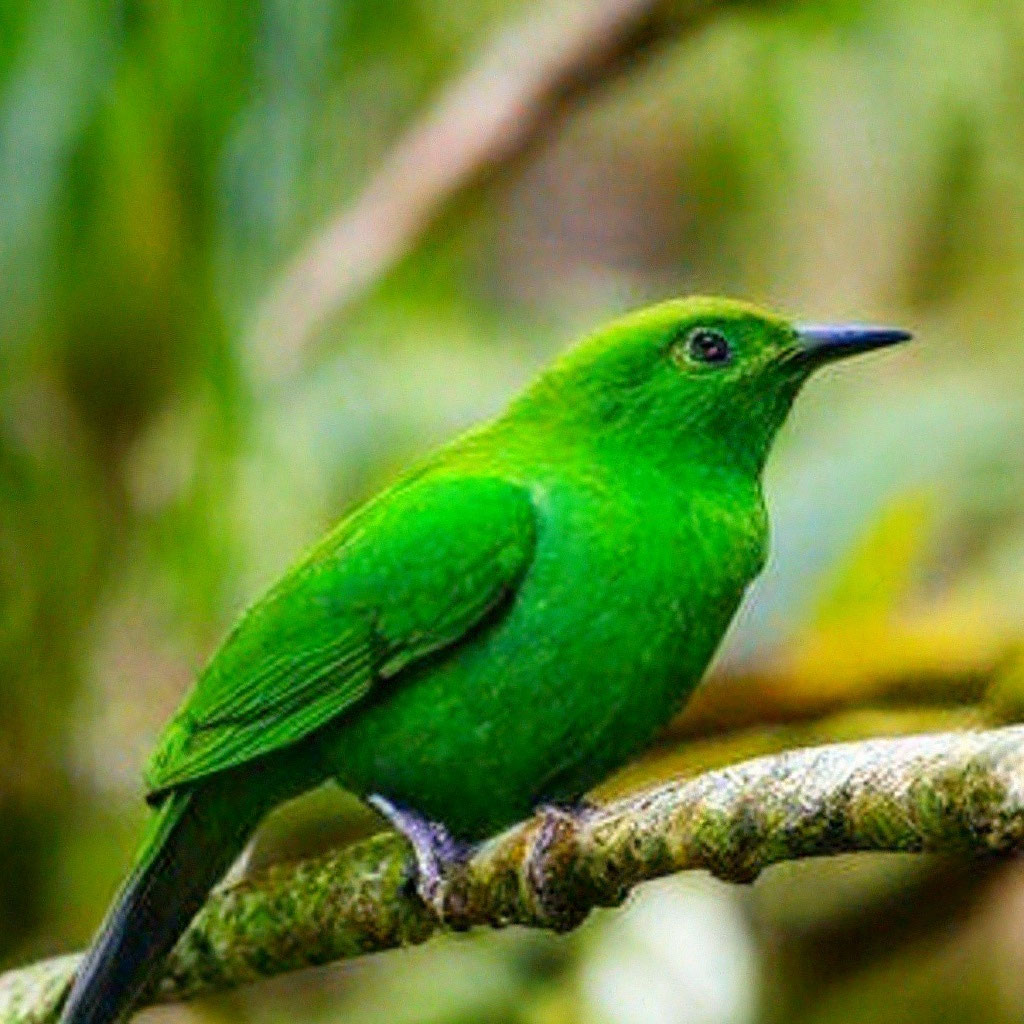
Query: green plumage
pixel 514 618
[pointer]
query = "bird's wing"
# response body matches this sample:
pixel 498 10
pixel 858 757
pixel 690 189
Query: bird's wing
pixel 408 575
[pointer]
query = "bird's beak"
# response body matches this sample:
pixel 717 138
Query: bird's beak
pixel 822 343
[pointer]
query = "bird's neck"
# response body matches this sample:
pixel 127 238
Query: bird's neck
pixel 625 460
pixel 691 450
pixel 731 433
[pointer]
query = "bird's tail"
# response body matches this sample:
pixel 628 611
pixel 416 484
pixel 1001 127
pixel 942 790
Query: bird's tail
pixel 192 840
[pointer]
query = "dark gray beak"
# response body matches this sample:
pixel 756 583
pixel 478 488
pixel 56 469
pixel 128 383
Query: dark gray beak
pixel 825 342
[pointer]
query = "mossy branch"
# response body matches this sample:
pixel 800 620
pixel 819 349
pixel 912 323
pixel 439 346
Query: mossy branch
pixel 959 793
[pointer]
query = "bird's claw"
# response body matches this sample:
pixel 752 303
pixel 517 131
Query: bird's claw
pixel 437 852
pixel 556 834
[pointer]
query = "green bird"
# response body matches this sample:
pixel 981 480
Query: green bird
pixel 501 628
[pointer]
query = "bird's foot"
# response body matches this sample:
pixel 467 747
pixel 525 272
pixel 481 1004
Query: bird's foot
pixel 580 808
pixel 437 852
pixel 555 839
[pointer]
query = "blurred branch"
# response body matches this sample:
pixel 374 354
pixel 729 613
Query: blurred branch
pixel 945 792
pixel 942 658
pixel 528 79
pixel 728 704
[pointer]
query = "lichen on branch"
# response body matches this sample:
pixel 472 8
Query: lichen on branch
pixel 953 792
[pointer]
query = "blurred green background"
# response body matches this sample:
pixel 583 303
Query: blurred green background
pixel 169 438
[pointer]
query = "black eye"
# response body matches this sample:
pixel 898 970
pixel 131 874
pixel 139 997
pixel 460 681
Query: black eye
pixel 704 345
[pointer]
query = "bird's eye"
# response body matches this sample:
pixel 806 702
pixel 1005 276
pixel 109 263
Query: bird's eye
pixel 704 345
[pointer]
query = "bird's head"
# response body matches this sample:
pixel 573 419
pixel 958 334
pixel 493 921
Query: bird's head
pixel 705 376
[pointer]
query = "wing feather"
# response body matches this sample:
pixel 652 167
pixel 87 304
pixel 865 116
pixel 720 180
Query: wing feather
pixel 407 576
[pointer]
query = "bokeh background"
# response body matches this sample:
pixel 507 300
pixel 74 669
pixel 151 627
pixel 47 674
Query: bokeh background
pixel 257 256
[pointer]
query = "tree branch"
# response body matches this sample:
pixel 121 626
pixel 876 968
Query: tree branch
pixel 521 87
pixel 945 792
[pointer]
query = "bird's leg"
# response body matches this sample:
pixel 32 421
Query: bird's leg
pixel 437 851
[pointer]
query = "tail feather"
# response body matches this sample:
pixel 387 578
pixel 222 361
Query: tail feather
pixel 193 838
